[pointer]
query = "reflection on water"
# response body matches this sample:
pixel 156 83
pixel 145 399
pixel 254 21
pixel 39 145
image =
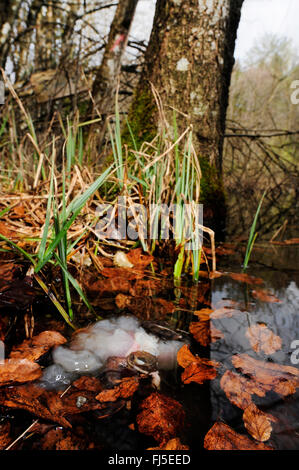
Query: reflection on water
pixel 281 276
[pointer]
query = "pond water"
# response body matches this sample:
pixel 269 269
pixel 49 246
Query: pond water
pixel 207 403
pixel 279 268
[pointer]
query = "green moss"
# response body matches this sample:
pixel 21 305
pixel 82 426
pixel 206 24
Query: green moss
pixel 141 119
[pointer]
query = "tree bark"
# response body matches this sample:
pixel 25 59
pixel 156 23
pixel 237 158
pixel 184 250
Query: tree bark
pixel 189 60
pixel 8 10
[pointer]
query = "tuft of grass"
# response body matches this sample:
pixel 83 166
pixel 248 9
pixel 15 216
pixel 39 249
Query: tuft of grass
pixel 253 234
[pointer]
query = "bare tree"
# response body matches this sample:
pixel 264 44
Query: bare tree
pixel 108 72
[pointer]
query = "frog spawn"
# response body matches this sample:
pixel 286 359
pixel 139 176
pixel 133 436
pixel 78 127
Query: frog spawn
pixel 91 347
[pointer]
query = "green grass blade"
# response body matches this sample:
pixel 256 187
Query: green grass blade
pixel 252 235
pixel 20 250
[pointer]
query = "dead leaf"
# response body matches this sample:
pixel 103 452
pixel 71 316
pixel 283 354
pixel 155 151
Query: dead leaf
pixel 8 272
pixel 173 444
pixel 264 296
pixel 161 417
pixel 225 250
pixel 263 339
pixel 222 437
pixel 197 369
pixel 243 277
pixel 7 231
pixel 257 423
pixel 215 274
pixel 117 284
pixel 224 312
pixel 185 356
pixel 270 376
pixel 239 390
pixel 49 405
pixel 147 287
pixel 124 390
pixel 18 370
pixel 18 294
pixel 291 241
pixel 198 293
pixel 63 439
pixel 123 273
pixel 91 384
pixel 19 211
pixel 5 438
pixel 33 349
pixel 204 332
pixel 204 314
pixel 145 307
pixel 139 259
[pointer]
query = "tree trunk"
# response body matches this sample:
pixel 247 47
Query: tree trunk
pixel 189 60
pixel 8 10
pixel 108 72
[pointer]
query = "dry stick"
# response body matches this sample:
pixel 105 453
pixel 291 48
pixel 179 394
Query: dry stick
pixel 22 435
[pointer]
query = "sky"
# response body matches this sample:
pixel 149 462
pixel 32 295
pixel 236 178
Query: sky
pixel 258 17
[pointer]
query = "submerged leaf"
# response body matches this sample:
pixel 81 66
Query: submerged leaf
pixel 161 417
pixel 257 423
pixel 270 376
pixel 239 390
pixel 145 307
pixel 263 339
pixel 265 296
pixel 222 437
pixel 243 277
